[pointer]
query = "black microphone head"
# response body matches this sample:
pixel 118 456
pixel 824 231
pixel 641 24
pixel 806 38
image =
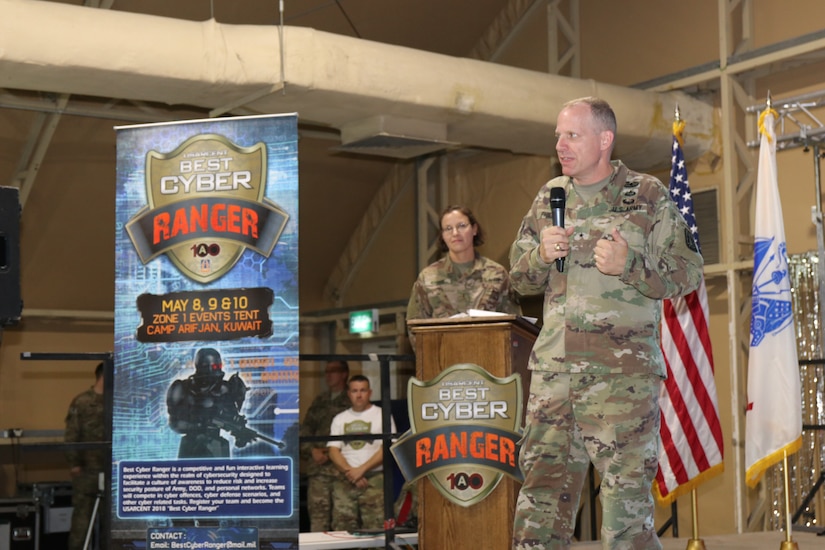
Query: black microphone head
pixel 557 197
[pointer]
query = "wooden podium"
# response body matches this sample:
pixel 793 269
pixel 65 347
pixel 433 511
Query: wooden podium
pixel 501 345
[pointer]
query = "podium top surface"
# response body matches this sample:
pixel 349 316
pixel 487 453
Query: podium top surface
pixel 515 320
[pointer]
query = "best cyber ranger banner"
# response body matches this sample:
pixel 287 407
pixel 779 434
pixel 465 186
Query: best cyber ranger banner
pixel 206 350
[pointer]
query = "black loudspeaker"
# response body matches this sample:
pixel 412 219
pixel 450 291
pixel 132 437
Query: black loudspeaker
pixel 11 305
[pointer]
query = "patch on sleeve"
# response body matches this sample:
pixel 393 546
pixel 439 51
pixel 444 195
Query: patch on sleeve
pixel 690 241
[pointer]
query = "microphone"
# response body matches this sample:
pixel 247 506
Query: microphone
pixel 557 200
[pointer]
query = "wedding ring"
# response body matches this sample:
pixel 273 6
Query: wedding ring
pixel 558 247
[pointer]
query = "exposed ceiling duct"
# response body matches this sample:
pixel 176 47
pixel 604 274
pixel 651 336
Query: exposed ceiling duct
pixel 384 99
pixel 394 137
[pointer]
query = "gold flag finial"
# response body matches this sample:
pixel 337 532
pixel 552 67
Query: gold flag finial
pixel 678 126
pixel 768 111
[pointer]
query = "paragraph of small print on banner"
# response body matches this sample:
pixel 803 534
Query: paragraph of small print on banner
pixel 205 427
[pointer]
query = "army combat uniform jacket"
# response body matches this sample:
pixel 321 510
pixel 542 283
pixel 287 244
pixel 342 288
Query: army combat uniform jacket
pixel 442 290
pixel 317 422
pixel 596 323
pixel 85 423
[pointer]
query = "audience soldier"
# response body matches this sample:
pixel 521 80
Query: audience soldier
pixel 321 472
pixel 358 497
pixel 85 423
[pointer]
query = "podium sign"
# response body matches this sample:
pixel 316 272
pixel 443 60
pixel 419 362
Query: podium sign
pixel 502 345
pixel 464 431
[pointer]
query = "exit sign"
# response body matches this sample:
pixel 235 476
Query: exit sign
pixel 361 322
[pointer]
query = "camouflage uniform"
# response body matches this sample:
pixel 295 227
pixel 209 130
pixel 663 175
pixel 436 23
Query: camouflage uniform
pixel 443 290
pixel 354 507
pixel 357 508
pixel 84 423
pixel 597 362
pixel 320 476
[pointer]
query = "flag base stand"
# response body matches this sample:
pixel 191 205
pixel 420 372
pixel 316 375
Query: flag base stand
pixel 788 543
pixel 695 543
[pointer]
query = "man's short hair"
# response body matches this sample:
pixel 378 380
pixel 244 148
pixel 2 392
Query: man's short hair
pixel 98 371
pixel 358 378
pixel 600 109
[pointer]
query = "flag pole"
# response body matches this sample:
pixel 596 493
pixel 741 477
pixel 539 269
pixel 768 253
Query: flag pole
pixel 788 543
pixel 694 543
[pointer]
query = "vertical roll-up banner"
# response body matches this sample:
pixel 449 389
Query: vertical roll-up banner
pixel 205 426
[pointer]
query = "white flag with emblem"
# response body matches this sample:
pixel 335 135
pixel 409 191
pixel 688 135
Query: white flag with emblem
pixel 774 412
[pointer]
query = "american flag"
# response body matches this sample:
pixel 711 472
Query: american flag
pixel 692 446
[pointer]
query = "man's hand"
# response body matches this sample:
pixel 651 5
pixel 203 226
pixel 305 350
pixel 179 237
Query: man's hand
pixel 356 477
pixel 610 253
pixel 356 474
pixel 555 243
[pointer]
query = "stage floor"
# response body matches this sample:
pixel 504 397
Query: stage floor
pixel 768 540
